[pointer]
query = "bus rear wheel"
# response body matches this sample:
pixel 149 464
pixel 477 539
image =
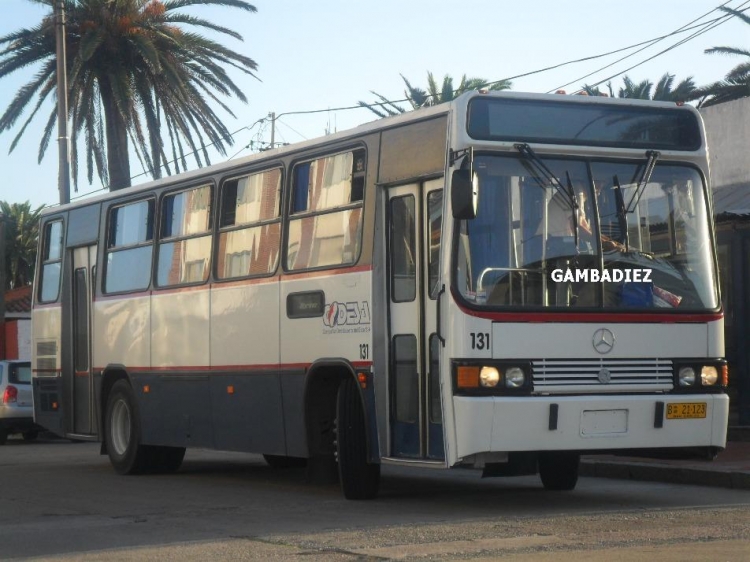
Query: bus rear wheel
pixel 559 470
pixel 122 431
pixel 359 479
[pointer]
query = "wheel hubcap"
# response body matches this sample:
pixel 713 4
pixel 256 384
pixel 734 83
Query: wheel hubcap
pixel 120 427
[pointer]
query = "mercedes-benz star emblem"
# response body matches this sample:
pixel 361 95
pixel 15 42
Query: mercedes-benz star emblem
pixel 605 376
pixel 604 341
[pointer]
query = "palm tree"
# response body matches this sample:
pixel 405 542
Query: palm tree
pixel 134 71
pixel 665 89
pixel 21 234
pixel 736 84
pixel 434 95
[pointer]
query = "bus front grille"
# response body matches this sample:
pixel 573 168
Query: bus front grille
pixel 602 375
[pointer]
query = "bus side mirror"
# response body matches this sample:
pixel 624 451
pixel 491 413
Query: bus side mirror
pixel 464 194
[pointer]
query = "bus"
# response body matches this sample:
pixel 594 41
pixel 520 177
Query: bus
pixel 503 282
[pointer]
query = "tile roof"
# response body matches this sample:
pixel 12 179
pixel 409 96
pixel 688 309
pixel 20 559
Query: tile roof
pixel 18 300
pixel 732 200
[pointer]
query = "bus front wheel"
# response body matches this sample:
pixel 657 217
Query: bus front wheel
pixel 359 479
pixel 559 470
pixel 123 431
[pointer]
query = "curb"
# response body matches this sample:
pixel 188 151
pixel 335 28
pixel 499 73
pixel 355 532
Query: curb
pixel 665 473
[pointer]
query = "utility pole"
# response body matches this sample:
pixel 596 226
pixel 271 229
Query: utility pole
pixel 272 115
pixel 63 178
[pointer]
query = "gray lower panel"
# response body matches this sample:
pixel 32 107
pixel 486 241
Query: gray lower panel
pixel 247 413
pixel 293 392
pixel 233 412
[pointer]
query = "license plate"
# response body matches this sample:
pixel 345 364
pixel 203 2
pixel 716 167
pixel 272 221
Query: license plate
pixel 686 410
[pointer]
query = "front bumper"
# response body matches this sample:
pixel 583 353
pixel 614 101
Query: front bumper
pixel 584 423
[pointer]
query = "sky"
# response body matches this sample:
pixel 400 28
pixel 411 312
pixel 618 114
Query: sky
pixel 330 54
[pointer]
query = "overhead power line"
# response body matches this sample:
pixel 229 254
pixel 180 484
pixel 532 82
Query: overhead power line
pixel 718 22
pixel 702 27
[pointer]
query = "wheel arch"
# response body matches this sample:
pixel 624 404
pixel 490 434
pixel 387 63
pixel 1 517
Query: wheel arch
pixel 110 375
pixel 322 381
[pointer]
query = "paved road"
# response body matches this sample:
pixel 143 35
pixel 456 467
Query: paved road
pixel 63 500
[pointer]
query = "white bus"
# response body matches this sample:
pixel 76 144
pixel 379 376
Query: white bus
pixel 502 282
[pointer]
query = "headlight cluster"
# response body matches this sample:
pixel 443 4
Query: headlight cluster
pixel 490 377
pixel 690 376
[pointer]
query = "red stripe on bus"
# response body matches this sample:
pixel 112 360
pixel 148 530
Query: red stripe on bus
pixel 242 282
pixel 123 296
pixel 234 368
pixel 595 317
pixel 292 276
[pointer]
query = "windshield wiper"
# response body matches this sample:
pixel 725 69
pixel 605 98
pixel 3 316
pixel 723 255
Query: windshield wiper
pixel 541 169
pixel 622 218
pixel 651 157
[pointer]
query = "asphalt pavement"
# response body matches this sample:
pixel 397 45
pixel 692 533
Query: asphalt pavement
pixel 730 468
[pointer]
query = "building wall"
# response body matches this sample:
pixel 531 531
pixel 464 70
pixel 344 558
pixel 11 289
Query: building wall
pixel 728 136
pixel 16 339
pixel 23 333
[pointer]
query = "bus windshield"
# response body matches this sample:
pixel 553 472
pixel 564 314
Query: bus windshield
pixel 587 234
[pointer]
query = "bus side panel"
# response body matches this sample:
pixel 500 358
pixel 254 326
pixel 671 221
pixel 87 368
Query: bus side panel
pixel 246 409
pixel 246 417
pixel 343 331
pixel 48 389
pixel 125 325
pixel 179 326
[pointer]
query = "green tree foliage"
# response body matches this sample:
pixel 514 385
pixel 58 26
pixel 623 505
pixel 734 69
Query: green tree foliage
pixel 665 89
pixel 135 69
pixel 736 84
pixel 435 94
pixel 21 235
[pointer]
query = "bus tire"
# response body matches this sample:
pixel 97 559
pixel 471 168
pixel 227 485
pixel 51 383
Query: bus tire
pixel 122 432
pixel 559 470
pixel 281 461
pixel 359 479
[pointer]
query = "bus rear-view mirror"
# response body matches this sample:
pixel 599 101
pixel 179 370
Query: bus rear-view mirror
pixel 464 194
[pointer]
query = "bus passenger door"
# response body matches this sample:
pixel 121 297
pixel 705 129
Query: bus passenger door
pixel 83 382
pixel 414 392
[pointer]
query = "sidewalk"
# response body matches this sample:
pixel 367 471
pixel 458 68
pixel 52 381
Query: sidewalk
pixel 730 469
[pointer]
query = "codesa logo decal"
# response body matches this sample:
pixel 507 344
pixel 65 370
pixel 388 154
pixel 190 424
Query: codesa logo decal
pixel 347 317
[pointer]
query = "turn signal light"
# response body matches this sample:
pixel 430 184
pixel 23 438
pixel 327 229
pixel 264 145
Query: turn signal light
pixel 467 377
pixel 362 378
pixel 725 375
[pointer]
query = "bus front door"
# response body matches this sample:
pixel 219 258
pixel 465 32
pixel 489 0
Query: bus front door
pixel 83 422
pixel 415 414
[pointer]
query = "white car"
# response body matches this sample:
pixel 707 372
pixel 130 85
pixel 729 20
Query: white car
pixel 16 402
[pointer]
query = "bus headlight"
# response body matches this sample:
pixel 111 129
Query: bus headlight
pixel 709 375
pixel 687 376
pixel 515 377
pixel 489 377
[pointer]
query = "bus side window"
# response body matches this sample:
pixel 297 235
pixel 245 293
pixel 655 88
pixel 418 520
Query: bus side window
pixel 130 244
pixel 249 225
pixel 325 223
pixel 51 262
pixel 185 240
pixel 435 216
